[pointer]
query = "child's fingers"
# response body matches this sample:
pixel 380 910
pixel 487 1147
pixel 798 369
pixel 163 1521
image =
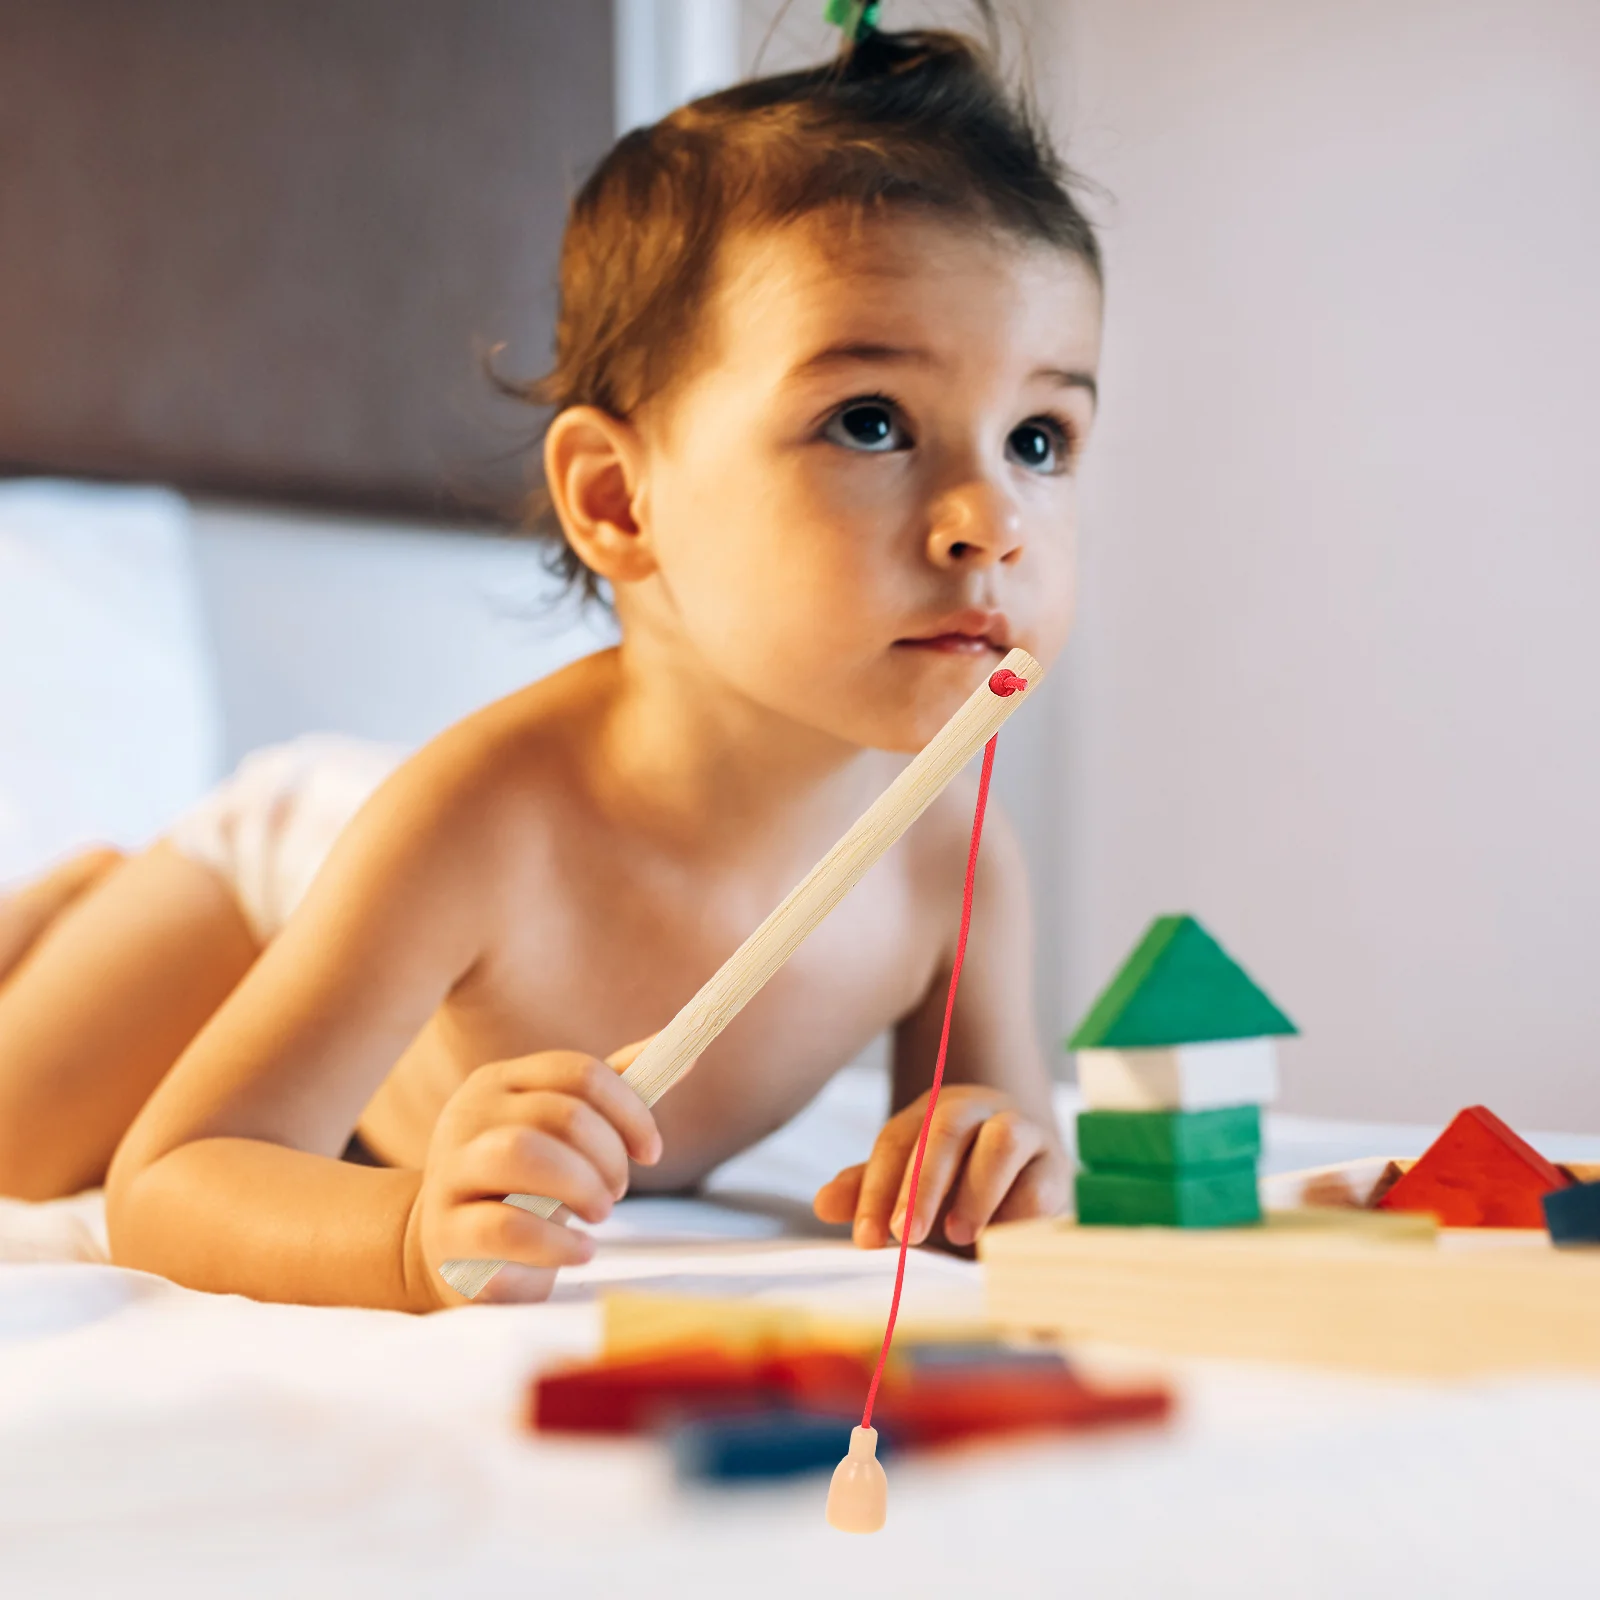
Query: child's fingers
pixel 490 1230
pixel 621 1060
pixel 954 1128
pixel 836 1199
pixel 1040 1191
pixel 517 1285
pixel 525 1160
pixel 880 1180
pixel 586 1078
pixel 576 1123
pixel 1005 1144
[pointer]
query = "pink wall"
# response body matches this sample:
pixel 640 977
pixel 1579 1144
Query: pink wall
pixel 1337 683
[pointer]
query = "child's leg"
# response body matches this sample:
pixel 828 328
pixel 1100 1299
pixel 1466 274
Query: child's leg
pixel 100 1006
pixel 26 912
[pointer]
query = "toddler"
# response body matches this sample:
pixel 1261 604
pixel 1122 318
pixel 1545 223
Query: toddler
pixel 825 365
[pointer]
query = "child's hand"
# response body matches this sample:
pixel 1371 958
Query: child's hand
pixel 985 1160
pixel 560 1124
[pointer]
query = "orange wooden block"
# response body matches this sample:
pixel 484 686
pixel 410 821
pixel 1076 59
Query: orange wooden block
pixel 1477 1174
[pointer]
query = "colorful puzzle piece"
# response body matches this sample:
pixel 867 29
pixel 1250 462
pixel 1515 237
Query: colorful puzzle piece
pixel 1477 1174
pixel 641 1324
pixel 771 1444
pixel 732 1416
pixel 1178 987
pixel 1573 1214
pixel 1195 1077
pixel 1212 1198
pixel 1162 1141
pixel 1175 1060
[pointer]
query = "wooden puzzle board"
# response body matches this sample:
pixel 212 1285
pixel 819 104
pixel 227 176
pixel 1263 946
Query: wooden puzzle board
pixel 1365 1292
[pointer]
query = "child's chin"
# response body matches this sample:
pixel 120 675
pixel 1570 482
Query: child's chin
pixel 925 705
pixel 939 680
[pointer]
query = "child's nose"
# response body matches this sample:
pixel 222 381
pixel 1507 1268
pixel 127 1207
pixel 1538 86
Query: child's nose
pixel 976 525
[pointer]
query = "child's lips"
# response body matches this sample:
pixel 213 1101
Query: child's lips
pixel 971 631
pixel 962 644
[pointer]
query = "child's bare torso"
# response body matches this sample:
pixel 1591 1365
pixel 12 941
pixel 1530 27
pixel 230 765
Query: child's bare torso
pixel 602 932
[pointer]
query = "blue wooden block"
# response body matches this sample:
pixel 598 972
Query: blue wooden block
pixel 1573 1214
pixel 772 1444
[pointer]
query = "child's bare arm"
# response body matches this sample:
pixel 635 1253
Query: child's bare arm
pixel 229 1179
pixel 248 1216
pixel 994 1151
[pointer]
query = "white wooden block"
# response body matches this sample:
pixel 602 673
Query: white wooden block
pixel 1187 1077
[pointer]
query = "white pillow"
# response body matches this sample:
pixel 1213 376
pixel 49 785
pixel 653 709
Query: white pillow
pixel 109 721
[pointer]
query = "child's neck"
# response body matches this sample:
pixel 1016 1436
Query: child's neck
pixel 681 747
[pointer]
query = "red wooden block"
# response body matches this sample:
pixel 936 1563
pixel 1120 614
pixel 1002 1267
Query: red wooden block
pixel 1477 1174
pixel 944 1410
pixel 938 1404
pixel 634 1396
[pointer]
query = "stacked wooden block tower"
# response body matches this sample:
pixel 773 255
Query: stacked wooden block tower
pixel 1175 1060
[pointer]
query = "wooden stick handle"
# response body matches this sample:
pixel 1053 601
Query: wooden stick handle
pixel 735 983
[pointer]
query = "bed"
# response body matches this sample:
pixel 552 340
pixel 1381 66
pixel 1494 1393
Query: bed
pixel 156 1440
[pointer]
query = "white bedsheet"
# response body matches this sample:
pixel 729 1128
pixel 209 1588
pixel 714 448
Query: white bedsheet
pixel 157 1440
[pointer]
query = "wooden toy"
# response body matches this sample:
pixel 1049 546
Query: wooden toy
pixel 780 1444
pixel 678 1045
pixel 636 1396
pixel 1178 987
pixel 728 1417
pixel 858 1494
pixel 1352 1189
pixel 1195 1077
pixel 1573 1214
pixel 921 1402
pixel 1175 1060
pixel 1477 1174
pixel 1160 1141
pixel 1207 1197
pixel 628 1396
pixel 643 1324
pixel 1428 1305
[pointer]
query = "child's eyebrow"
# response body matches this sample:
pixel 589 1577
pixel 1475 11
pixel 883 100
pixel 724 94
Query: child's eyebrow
pixel 852 352
pixel 1069 380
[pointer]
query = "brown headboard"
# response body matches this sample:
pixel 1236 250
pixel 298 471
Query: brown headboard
pixel 256 247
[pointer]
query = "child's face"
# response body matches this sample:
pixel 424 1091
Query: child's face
pixel 865 494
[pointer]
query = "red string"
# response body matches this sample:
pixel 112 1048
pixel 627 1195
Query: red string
pixel 1004 684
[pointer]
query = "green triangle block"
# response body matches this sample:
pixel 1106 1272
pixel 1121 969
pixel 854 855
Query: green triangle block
pixel 1178 987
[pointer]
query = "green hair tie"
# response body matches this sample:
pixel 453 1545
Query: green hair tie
pixel 855 18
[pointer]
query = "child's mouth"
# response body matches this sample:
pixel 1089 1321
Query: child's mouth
pixel 974 632
pixel 962 644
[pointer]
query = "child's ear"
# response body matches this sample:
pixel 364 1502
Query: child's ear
pixel 592 466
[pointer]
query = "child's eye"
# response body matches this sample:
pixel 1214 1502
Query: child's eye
pixel 1041 444
pixel 869 425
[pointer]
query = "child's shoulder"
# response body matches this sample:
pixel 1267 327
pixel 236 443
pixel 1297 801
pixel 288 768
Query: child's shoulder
pixel 492 769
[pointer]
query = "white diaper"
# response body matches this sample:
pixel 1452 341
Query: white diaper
pixel 267 830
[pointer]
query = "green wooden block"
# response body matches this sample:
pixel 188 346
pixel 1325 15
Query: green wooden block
pixel 1223 1198
pixel 1178 987
pixel 1158 1143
